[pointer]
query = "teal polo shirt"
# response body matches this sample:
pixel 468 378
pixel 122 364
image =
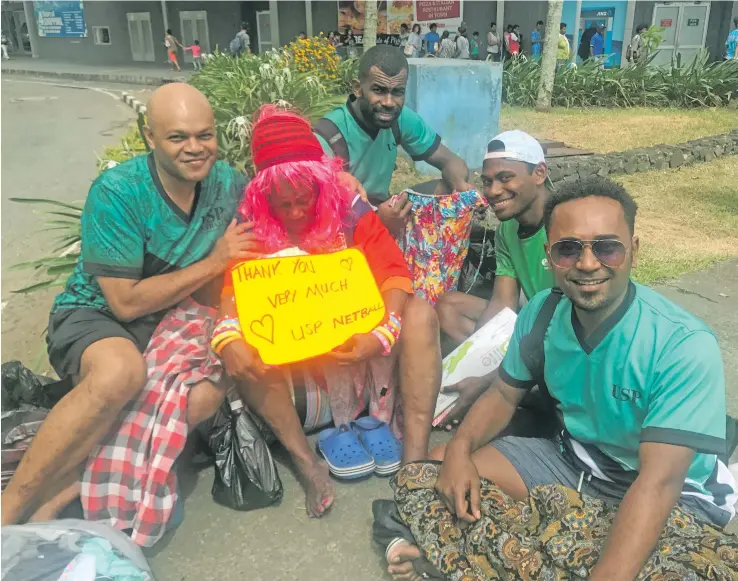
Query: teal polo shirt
pixel 132 229
pixel 373 153
pixel 650 373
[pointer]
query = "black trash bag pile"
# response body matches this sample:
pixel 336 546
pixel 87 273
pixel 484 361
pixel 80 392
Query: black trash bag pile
pixel 246 476
pixel 26 399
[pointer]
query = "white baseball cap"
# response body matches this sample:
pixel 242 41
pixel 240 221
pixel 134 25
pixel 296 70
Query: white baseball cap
pixel 517 146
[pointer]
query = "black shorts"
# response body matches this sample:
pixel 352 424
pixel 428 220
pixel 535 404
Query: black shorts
pixel 71 331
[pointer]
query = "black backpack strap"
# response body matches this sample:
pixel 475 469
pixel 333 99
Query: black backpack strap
pixel 329 131
pixel 531 346
pixel 397 133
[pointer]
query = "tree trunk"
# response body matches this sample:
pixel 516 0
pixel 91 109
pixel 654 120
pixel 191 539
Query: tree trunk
pixel 370 24
pixel 548 60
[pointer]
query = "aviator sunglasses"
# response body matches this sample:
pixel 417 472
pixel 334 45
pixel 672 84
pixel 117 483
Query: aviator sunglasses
pixel 566 253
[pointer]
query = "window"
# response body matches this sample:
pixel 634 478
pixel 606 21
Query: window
pixel 101 34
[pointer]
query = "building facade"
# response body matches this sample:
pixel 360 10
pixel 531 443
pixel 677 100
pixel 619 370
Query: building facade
pixel 115 32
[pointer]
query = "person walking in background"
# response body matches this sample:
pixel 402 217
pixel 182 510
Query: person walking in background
pixel 563 51
pixel 333 39
pixel 506 37
pixel 414 42
pixel 536 41
pixel 447 49
pixel 4 42
pixel 302 36
pixel 731 44
pixel 585 50
pixel 172 43
pixel 241 43
pixel 519 37
pixel 196 54
pixel 432 40
pixel 597 44
pixel 636 49
pixel 474 46
pixel 404 35
pixel 462 45
pixel 493 43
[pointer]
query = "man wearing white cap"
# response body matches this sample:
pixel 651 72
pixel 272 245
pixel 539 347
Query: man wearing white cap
pixel 514 177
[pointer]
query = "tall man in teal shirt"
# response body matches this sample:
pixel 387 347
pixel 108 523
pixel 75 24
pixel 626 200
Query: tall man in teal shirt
pixel 367 131
pixel 638 384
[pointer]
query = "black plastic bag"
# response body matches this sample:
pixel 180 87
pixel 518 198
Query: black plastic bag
pixel 246 477
pixel 21 386
pixel 19 427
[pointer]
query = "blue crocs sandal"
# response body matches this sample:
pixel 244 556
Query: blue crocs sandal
pixel 346 457
pixel 381 443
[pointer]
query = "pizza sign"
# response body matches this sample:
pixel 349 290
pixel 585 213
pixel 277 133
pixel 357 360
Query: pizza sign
pixel 666 22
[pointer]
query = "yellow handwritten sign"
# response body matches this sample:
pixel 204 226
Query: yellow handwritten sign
pixel 297 307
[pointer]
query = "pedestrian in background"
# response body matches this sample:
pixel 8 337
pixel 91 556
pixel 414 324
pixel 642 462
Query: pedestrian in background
pixel 518 37
pixel 493 43
pixel 636 48
pixel 4 42
pixel 414 42
pixel 585 49
pixel 462 45
pixel 597 44
pixel 432 40
pixel 474 46
pixel 536 41
pixel 404 35
pixel 447 49
pixel 333 39
pixel 172 43
pixel 731 43
pixel 563 50
pixel 196 54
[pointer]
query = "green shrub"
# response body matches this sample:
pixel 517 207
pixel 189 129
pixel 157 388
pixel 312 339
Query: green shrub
pixel 697 84
pixel 237 87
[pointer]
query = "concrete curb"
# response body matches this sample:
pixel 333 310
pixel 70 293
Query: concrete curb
pixel 658 157
pixel 134 103
pixel 94 77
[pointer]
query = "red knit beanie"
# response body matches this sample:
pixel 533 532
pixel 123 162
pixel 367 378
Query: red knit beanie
pixel 280 137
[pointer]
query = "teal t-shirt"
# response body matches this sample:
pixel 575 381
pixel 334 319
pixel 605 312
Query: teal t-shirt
pixel 372 154
pixel 132 229
pixel 523 259
pixel 650 373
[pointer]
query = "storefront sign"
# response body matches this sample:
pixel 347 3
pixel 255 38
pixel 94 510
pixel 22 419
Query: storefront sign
pixel 298 307
pixel 666 22
pixel 57 19
pixel 393 13
pixel 693 21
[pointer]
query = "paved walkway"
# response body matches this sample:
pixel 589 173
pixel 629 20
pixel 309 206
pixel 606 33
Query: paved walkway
pixel 143 74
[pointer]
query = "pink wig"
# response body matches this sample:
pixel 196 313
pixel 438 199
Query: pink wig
pixel 332 205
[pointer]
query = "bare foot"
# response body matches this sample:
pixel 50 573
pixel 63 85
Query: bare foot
pixel 319 490
pixel 401 559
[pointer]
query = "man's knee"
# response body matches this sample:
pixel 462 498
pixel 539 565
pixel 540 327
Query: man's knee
pixel 421 320
pixel 447 309
pixel 113 371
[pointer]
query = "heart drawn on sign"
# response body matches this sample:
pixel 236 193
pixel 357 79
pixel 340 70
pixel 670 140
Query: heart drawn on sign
pixel 264 328
pixel 347 263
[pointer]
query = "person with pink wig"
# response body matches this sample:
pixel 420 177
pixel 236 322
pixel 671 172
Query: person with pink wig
pixel 296 203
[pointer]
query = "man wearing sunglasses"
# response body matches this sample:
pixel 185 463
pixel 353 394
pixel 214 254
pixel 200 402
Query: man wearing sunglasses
pixel 514 178
pixel 638 384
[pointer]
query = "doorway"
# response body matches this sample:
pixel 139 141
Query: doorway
pixel 141 36
pixel 18 32
pixel 685 29
pixel 601 17
pixel 194 26
pixel 264 31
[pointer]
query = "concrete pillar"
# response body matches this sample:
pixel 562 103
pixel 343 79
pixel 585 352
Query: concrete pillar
pixel 274 21
pixel 500 21
pixel 32 28
pixel 628 33
pixel 165 14
pixel 309 17
pixel 575 36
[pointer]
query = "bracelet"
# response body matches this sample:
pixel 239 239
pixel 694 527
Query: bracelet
pixel 392 328
pixel 396 319
pixel 383 340
pixel 386 333
pixel 218 339
pixel 225 342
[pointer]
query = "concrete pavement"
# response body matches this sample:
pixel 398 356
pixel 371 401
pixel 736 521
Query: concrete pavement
pixel 153 74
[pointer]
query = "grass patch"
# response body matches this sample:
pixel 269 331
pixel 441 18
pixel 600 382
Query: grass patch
pixel 606 130
pixel 687 218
